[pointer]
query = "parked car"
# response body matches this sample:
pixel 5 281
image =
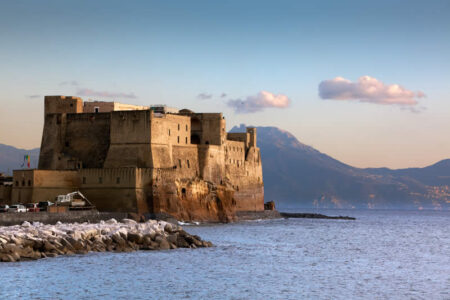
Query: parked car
pixel 44 204
pixel 3 208
pixel 32 207
pixel 17 208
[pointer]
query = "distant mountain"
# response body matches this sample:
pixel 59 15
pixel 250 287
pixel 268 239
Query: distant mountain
pixel 11 158
pixel 297 175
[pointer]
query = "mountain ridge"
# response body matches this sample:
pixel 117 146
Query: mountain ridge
pixel 13 158
pixel 298 175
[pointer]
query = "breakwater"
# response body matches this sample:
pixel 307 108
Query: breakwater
pixel 31 241
pixel 314 216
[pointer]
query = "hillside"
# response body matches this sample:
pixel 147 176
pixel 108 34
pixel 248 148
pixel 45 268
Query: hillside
pixel 297 175
pixel 12 158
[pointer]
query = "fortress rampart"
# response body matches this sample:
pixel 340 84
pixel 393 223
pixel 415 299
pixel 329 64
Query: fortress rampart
pixel 144 159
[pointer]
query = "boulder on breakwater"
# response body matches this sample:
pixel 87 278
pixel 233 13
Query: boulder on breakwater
pixel 34 241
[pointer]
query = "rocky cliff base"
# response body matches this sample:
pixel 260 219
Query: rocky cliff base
pixel 35 241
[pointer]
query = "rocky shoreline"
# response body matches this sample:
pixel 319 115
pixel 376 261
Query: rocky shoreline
pixel 31 241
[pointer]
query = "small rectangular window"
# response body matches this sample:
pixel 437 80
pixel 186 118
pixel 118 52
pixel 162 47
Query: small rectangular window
pixel 118 180
pixel 186 127
pixel 186 140
pixel 169 132
pixel 179 163
pixel 178 139
pixel 178 127
pixel 96 109
pixel 84 180
pixel 188 164
pixel 100 180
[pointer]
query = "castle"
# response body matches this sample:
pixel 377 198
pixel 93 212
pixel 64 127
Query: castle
pixel 144 159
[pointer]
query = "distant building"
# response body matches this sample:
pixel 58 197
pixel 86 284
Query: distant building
pixel 144 159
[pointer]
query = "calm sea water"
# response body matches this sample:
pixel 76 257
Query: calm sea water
pixel 382 255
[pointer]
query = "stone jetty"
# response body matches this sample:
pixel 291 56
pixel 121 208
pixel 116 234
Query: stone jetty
pixel 313 216
pixel 31 241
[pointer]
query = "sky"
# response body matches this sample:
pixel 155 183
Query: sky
pixel 366 82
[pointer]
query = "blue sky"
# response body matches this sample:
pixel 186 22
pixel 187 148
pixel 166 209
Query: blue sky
pixel 172 51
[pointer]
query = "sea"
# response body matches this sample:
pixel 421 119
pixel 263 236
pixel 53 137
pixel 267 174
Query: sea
pixel 383 254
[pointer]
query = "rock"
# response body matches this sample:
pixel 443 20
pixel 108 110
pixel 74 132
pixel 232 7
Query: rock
pixel 7 258
pixel 159 238
pixel 189 238
pixel 48 246
pixel 26 224
pixel 15 256
pixel 135 237
pixel 129 221
pixel 147 240
pixel 181 242
pixel 168 227
pixel 164 245
pixel 117 238
pixel 152 235
pixel 198 243
pixel 76 244
pixel 66 244
pixel 172 238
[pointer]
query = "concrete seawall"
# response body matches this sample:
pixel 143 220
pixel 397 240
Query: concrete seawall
pixel 93 216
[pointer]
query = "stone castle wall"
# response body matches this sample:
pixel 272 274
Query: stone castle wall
pixel 143 161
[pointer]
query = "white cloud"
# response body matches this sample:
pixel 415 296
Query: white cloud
pixel 368 89
pixel 259 102
pixel 104 94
